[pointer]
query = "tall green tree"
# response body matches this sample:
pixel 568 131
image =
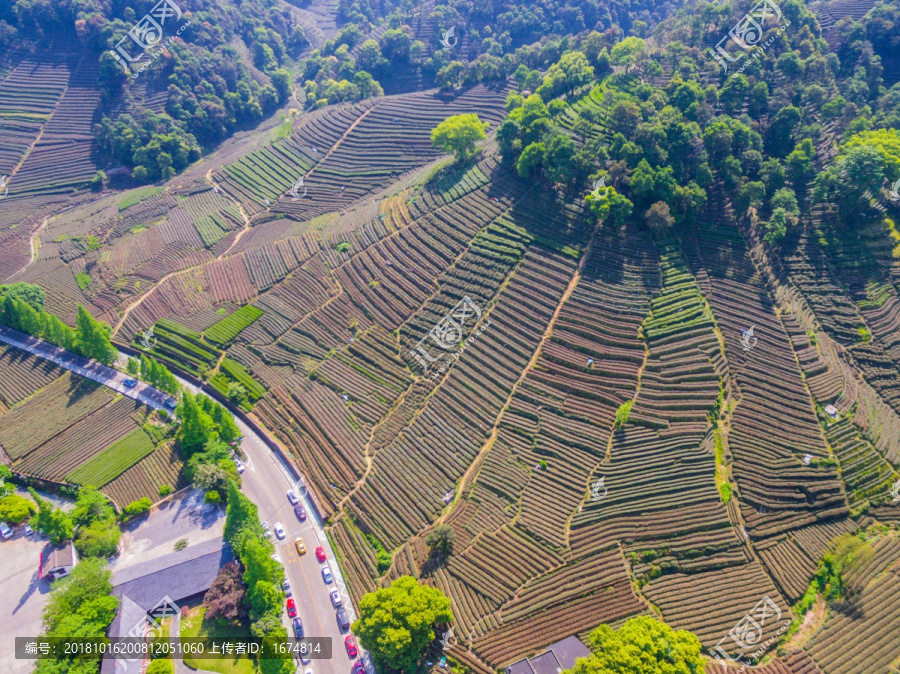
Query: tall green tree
pixel 27 292
pixel 396 623
pixel 196 425
pixel 440 540
pixel 241 514
pixel 93 338
pixel 55 523
pixel 609 206
pixel 79 606
pixel 458 134
pixel 644 645
pixel 15 508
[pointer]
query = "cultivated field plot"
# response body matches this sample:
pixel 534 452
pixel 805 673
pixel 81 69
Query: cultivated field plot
pixel 63 428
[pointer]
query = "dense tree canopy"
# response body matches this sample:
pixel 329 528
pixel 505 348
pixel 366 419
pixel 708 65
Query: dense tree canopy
pixel 644 645
pixel 396 623
pixel 27 292
pixel 55 523
pixel 458 134
pixel 90 338
pixel 15 508
pixel 79 606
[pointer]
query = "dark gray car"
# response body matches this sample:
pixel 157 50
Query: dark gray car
pixel 342 621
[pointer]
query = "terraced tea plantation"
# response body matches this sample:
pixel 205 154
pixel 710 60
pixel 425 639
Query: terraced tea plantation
pixel 615 416
pixel 68 430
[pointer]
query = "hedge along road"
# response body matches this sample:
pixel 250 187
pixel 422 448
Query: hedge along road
pixel 265 481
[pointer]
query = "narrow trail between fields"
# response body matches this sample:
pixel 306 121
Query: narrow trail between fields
pixel 340 140
pixel 36 232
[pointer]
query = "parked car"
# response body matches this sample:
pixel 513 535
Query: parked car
pixel 28 530
pixel 298 628
pixel 336 599
pixel 265 526
pixel 301 546
pixel 277 557
pixel 5 531
pixel 305 659
pixel 292 607
pixel 279 530
pixel 240 465
pixel 300 513
pixel 171 404
pixel 130 383
pixel 342 620
pixel 326 575
pixel 286 586
pixel 320 553
pixel 351 646
pixel 358 668
pixel 292 497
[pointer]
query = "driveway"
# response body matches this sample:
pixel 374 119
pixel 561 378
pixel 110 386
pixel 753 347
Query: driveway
pixel 24 597
pixel 184 517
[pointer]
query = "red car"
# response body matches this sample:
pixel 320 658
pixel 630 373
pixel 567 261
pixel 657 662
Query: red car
pixel 351 646
pixel 320 554
pixel 291 607
pixel 358 668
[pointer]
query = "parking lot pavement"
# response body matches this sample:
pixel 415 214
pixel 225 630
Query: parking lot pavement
pixel 186 516
pixel 24 597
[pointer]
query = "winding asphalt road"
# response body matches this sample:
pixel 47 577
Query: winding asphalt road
pixel 266 480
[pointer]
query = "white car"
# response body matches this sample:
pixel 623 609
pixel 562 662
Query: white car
pixel 286 586
pixel 335 598
pixel 240 465
pixel 326 575
pixel 279 530
pixel 292 497
pixel 277 557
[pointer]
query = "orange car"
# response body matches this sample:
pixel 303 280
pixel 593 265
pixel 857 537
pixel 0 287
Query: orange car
pixel 301 546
